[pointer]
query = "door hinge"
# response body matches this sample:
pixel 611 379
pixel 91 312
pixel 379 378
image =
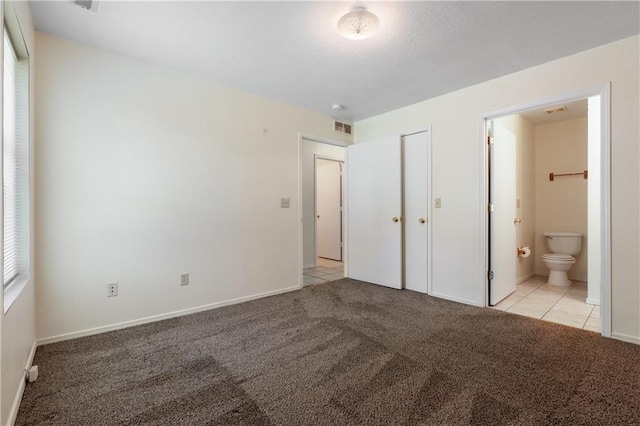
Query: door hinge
pixel 489 140
pixel 490 208
pixel 489 275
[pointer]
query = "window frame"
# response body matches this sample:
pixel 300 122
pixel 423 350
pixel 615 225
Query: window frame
pixel 11 29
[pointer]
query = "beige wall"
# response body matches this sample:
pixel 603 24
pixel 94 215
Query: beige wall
pixel 458 265
pixel 18 335
pixel 561 205
pixel 144 173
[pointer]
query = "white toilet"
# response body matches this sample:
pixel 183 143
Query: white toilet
pixel 563 246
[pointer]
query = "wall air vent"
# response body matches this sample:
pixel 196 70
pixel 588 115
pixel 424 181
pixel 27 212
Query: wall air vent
pixel 90 5
pixel 344 128
pixel 555 109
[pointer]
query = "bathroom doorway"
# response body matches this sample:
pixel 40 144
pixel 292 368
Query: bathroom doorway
pixel 321 245
pixel 532 189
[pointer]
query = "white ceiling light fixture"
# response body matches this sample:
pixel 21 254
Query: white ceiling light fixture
pixel 358 24
pixel 90 5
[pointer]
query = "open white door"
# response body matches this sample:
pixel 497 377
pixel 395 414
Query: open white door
pixel 329 209
pixel 374 212
pixel 416 167
pixel 502 223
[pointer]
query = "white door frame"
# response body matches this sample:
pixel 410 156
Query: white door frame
pixel 317 157
pixel 604 91
pixel 302 136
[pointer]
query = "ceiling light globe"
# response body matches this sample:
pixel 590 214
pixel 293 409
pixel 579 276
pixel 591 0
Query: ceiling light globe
pixel 358 25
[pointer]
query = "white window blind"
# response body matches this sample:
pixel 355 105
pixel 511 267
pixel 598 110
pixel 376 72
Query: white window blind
pixel 15 162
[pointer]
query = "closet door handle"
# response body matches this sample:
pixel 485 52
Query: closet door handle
pixel 395 219
pixel 422 220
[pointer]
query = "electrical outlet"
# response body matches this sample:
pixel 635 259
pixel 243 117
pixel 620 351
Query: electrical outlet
pixel 112 289
pixel 184 279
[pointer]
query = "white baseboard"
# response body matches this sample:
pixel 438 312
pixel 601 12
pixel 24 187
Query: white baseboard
pixel 626 338
pixel 311 265
pixel 154 318
pixel 592 301
pixel 458 299
pixel 526 277
pixel 18 398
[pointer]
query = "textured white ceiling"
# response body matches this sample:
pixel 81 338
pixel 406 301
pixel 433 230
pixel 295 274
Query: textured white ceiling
pixel 291 51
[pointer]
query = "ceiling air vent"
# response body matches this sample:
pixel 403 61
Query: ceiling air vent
pixel 555 109
pixel 90 5
pixel 344 128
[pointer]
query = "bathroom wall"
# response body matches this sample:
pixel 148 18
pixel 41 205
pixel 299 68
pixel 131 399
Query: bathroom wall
pixel 525 196
pixel 561 205
pixel 523 131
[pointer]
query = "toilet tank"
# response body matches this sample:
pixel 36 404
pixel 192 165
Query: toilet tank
pixel 564 242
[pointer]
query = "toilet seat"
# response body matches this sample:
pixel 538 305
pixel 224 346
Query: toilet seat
pixel 558 257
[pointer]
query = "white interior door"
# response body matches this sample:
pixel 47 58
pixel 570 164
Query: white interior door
pixel 416 167
pixel 329 209
pixel 502 227
pixel 374 252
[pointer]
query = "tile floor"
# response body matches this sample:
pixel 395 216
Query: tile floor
pixel 563 305
pixel 325 270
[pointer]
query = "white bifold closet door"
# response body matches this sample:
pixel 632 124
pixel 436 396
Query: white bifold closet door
pixel 374 200
pixel 416 168
pixel 387 185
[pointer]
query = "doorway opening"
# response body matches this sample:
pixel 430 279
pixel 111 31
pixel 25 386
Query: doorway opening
pixel 329 222
pixel 329 211
pixel 547 239
pixel 322 236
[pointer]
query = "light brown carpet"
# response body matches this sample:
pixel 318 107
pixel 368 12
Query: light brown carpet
pixel 342 353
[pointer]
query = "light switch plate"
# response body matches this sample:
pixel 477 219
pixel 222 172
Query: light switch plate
pixel 437 202
pixel 284 203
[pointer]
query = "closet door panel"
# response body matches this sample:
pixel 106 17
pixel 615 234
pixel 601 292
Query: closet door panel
pixel 374 226
pixel 416 195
